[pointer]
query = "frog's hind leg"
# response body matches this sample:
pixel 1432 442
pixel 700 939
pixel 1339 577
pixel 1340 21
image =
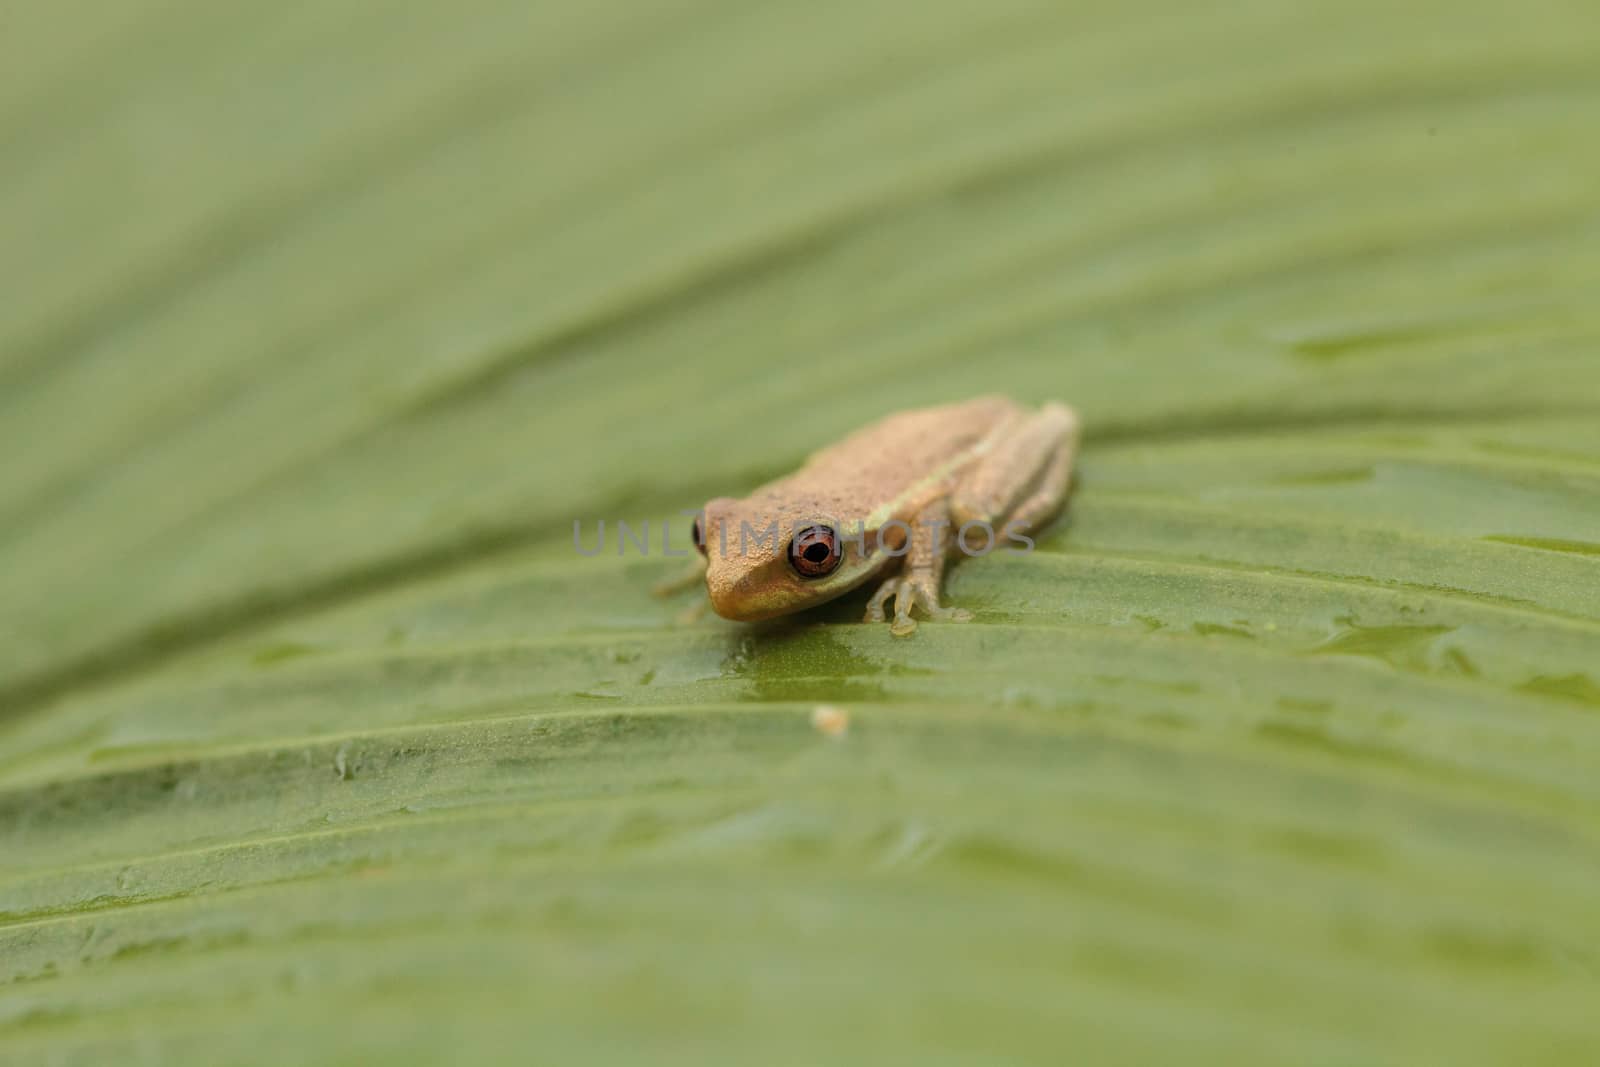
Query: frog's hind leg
pixel 1046 500
pixel 1025 475
pixel 917 585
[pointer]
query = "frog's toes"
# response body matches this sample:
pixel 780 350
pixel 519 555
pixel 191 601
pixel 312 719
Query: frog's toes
pixel 692 614
pixel 905 598
pixel 901 592
pixel 908 593
pixel 677 583
pixel 925 592
pixel 875 606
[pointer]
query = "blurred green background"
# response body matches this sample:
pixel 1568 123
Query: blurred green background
pixel 322 323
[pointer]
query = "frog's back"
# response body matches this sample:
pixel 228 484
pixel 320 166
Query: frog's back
pixel 886 458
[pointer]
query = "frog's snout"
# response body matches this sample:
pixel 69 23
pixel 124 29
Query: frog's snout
pixel 743 596
pixel 722 601
pixel 728 599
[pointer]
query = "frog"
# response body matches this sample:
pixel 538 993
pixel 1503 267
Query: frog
pixel 892 502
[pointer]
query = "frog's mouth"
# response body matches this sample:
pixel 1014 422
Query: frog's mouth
pixel 773 589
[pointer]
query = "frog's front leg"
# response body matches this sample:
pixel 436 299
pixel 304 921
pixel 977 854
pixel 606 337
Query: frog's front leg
pixel 688 578
pixel 917 584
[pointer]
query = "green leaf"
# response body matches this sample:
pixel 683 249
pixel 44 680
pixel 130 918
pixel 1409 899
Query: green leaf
pixel 319 742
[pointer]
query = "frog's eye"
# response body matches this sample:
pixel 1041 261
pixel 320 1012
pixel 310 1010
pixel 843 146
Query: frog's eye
pixel 814 552
pixel 698 537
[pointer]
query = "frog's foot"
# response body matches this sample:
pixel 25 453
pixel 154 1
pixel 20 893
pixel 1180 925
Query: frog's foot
pixel 688 579
pixel 693 613
pixel 917 590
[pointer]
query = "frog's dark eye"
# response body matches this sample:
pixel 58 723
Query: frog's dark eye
pixel 814 552
pixel 698 537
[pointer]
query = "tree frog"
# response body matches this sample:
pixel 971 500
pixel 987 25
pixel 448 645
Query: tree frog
pixel 891 501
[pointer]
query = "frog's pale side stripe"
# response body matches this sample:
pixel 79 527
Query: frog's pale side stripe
pixel 926 485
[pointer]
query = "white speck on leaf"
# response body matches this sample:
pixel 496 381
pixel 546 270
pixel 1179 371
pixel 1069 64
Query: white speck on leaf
pixel 829 720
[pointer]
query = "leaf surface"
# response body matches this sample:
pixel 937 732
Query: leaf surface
pixel 324 325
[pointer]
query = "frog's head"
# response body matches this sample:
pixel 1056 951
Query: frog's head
pixel 766 557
